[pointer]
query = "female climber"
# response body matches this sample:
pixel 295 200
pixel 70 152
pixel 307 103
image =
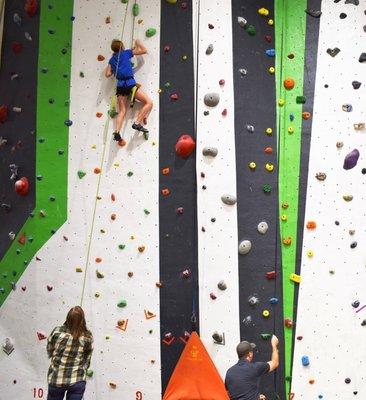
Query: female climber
pixel 70 348
pixel 120 66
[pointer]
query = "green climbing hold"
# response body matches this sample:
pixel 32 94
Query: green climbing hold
pixel 135 10
pixel 52 198
pixel 124 1
pixel 129 173
pixel 147 212
pixel 267 188
pixel 150 32
pixel 81 174
pixel 89 373
pixel 300 99
pixel 251 30
pixel 112 113
pixel 121 246
pixel 266 336
pixel 41 140
pixel 122 303
pixel 61 152
pixel 18 251
pixel 39 177
pixel 30 239
pixel 167 85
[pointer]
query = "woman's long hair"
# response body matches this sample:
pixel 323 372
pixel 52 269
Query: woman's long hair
pixel 75 322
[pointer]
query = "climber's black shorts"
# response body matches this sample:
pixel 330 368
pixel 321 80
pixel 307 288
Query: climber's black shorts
pixel 124 90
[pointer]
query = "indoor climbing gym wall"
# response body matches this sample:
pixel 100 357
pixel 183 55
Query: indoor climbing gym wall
pixel 239 215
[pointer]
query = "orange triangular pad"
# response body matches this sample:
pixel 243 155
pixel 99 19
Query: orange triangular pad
pixel 149 314
pixel 195 376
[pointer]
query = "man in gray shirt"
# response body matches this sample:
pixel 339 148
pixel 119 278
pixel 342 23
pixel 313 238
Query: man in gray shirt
pixel 242 380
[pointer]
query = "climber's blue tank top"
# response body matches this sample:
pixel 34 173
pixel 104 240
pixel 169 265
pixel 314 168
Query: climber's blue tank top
pixel 123 71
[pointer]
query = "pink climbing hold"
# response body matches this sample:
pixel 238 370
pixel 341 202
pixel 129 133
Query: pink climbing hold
pixel 224 112
pixel 3 113
pixel 166 49
pixel 184 5
pixel 222 82
pixel 21 186
pixel 185 146
pixel 31 7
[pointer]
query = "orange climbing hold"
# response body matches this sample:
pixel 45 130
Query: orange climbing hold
pixel 306 115
pixel 141 249
pixel 113 197
pixel 287 241
pixel 289 83
pixel 165 192
pixel 97 170
pixel 113 217
pixel 98 260
pixel 268 150
pixel 195 375
pixel 311 225
pixel 166 171
pixel 101 58
pixel 99 114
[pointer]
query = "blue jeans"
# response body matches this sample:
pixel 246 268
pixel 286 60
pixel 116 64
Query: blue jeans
pixel 73 392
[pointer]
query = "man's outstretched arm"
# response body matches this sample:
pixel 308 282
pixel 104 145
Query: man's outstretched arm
pixel 139 48
pixel 275 361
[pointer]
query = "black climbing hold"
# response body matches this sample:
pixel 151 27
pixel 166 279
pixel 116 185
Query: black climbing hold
pixel 72 18
pixel 347 380
pixel 362 58
pixel 356 304
pixel 51 101
pixel 206 113
pixel 353 245
pixel 313 13
pixel 326 86
pixel 333 52
pixel 51 31
pixel 356 84
pixel 363 323
pixel 64 51
pixel 354 2
pixel 363 171
pixel 213 219
pixel 336 222
pixel 342 15
pixel 204 187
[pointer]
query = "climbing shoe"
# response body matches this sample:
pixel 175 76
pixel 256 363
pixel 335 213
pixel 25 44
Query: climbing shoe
pixel 139 127
pixel 116 136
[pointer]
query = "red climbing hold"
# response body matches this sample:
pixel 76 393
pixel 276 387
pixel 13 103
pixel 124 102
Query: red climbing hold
pixel 268 38
pixel 271 275
pixel 16 47
pixel 166 49
pixel 22 239
pixel 222 82
pixel 268 150
pixel 101 58
pixel 174 97
pixel 3 113
pixel 224 112
pixel 31 7
pixel 22 186
pixel 185 146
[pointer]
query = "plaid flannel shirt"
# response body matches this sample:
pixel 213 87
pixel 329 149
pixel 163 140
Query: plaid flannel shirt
pixel 70 358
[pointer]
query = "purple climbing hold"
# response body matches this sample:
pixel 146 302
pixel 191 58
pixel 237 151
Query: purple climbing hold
pixel 351 159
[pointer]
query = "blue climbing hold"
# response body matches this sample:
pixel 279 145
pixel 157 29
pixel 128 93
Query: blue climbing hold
pixel 292 117
pixel 68 122
pixel 273 300
pixel 271 52
pixel 305 361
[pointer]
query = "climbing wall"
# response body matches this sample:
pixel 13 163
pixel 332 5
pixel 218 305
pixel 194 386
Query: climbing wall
pixel 330 331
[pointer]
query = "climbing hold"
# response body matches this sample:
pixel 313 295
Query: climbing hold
pixel 356 304
pixel 353 245
pixel 243 71
pixel 313 13
pixel 211 99
pixel 97 170
pixel 354 2
pixel 185 146
pixel 8 346
pixel 288 323
pixel 100 58
pixel 3 113
pixel 273 300
pixel 268 38
pixel 360 126
pixel 242 22
pixel 342 15
pixel 68 122
pixel 22 186
pixel 210 151
pixel 222 285
pixel 166 171
pixel 271 52
pixel 321 176
pixel 224 112
pixel 269 167
pixel 306 115
pixel 362 58
pixel 16 47
pixel 213 296
pixel 351 159
pixel 174 97
pixel 268 150
pixel 81 174
pixel 150 32
pixel 270 22
pixel 300 100
pixel 347 380
pixel 186 273
pixel 222 82
pixel 348 197
pixel 339 145
pixel 271 70
pixel 228 199
pixel 283 217
pixel 333 52
pixel 262 227
pixel 356 84
pixel 287 241
pixel 289 83
pixel 295 278
pixel 41 335
pixel 311 225
pixel 267 188
pixel 251 30
pixel 250 128
pixel 209 49
pixel 122 303
pixel 17 19
pixel 252 165
pixel 265 313
pixel 269 131
pixel 305 361
pixel 135 10
pixel 347 107
pixel 245 247
pixel 99 274
pixel 169 1
pixel 31 7
pixel 263 11
pixel 141 249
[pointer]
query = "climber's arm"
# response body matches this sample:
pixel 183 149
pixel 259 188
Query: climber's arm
pixel 108 71
pixel 139 48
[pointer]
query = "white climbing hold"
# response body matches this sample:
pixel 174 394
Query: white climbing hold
pixel 228 199
pixel 243 71
pixel 245 246
pixel 211 99
pixel 262 227
pixel 210 151
pixel 242 22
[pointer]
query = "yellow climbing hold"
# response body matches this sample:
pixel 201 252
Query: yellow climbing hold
pixel 295 278
pixel 269 131
pixel 96 294
pixel 94 146
pixel 281 102
pixel 184 58
pixel 263 11
pixel 284 217
pixel 290 130
pixel 270 22
pixel 310 253
pixel 132 237
pixel 79 269
pixel 271 70
pixel 171 1
pixel 252 165
pixel 265 313
pixel 269 167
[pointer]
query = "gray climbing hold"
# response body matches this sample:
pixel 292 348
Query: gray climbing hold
pixel 313 13
pixel 243 71
pixel 253 300
pixel 222 285
pixel 210 151
pixel 354 2
pixel 347 107
pixel 250 128
pixel 333 52
pixel 351 159
pixel 211 99
pixel 228 199
pixel 217 337
pixel 242 22
pixel 356 84
pixel 8 346
pixel 245 246
pixel 262 227
pixel 321 176
pixel 209 49
pixel 362 58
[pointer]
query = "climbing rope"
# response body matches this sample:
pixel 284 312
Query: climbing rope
pixel 105 135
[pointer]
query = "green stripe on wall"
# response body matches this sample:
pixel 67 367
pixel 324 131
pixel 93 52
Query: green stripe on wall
pixel 290 38
pixel 52 140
